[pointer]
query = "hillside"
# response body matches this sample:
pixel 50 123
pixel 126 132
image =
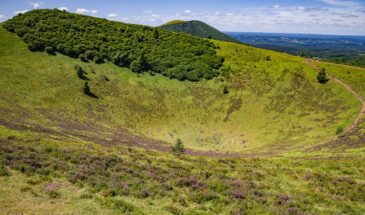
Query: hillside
pixel 199 29
pixel 263 127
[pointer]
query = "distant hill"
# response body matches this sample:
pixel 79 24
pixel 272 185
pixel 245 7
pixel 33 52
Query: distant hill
pixel 198 28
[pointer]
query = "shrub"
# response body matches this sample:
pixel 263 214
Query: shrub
pixel 83 58
pixel 268 58
pixel 98 59
pixel 322 76
pixel 178 148
pixel 87 90
pixel 35 46
pixel 339 130
pixel 50 50
pixel 225 90
pixel 4 171
pixel 81 73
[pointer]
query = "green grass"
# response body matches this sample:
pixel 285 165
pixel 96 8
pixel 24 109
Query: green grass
pixel 52 135
pixel 266 110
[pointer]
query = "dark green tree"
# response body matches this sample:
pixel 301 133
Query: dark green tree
pixel 322 76
pixel 156 34
pixel 140 64
pixel 80 73
pixel 50 50
pixel 225 90
pixel 339 130
pixel 178 148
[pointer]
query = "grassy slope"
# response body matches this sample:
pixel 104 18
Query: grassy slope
pixel 35 88
pixel 278 110
pixel 185 185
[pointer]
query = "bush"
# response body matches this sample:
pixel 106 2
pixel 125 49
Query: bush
pixel 4 171
pixel 35 46
pixel 83 58
pixel 322 76
pixel 178 148
pixel 339 130
pixel 98 59
pixel 50 50
pixel 225 90
pixel 87 90
pixel 81 73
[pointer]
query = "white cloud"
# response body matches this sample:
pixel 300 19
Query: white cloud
pixel 343 3
pixel 62 8
pixel 187 11
pixel 82 10
pixel 112 15
pixel 20 11
pixel 276 6
pixel 293 19
pixel 94 11
pixel 2 16
pixel 36 5
pixel 155 15
pixel 148 11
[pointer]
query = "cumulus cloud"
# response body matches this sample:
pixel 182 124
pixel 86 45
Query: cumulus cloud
pixel 62 8
pixel 20 11
pixel 297 19
pixel 112 15
pixel 82 10
pixel 36 5
pixel 187 11
pixel 343 3
pixel 276 6
pixel 2 16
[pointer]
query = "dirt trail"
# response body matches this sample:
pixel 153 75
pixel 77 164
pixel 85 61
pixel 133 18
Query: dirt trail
pixel 358 96
pixel 312 64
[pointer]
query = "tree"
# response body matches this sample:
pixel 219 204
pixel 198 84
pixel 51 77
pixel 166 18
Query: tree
pixel 156 33
pixel 339 130
pixel 178 148
pixel 98 59
pixel 50 50
pixel 140 64
pixel 81 73
pixel 322 76
pixel 225 90
pixel 83 58
pixel 86 88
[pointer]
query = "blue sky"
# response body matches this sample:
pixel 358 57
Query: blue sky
pixel 345 17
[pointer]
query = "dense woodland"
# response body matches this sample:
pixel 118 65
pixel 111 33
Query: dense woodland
pixel 141 48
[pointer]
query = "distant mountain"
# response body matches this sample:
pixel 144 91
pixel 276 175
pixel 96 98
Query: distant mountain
pixel 198 28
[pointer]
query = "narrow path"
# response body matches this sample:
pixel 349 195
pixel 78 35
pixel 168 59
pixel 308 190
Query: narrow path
pixel 358 96
pixel 356 122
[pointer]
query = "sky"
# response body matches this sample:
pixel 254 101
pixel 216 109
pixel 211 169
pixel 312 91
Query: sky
pixel 338 17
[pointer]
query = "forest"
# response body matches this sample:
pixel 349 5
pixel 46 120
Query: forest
pixel 141 48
